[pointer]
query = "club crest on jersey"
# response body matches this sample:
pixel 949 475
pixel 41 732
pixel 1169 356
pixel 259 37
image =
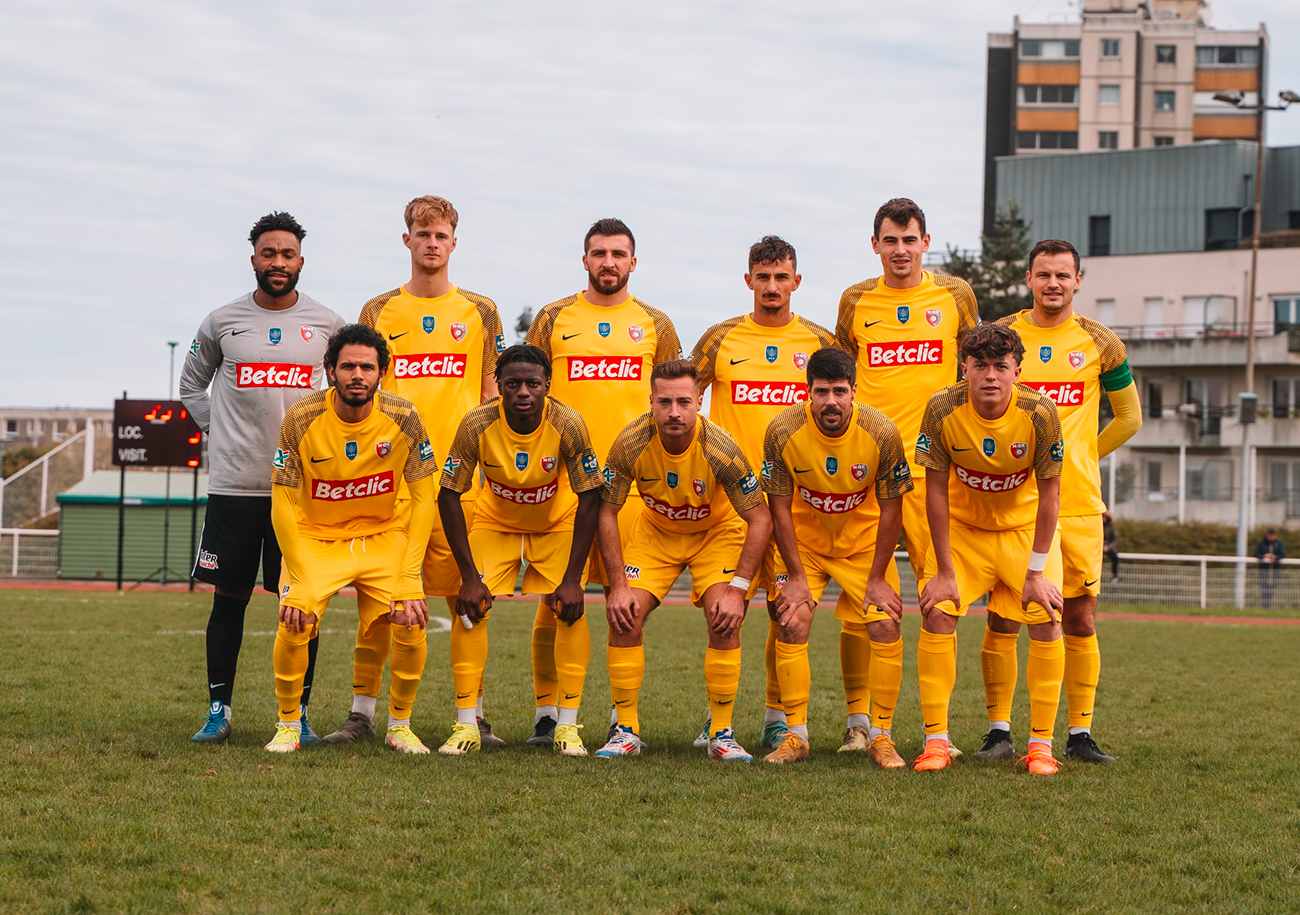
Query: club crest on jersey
pixel 589 463
pixel 904 313
pixel 548 463
pixel 672 479
pixel 859 472
pixel 603 328
pixel 350 449
pixel 308 332
pixel 426 451
pixel 1076 359
pixel 698 486
pixel 933 316
pixel 1018 450
pixel 521 460
pixel 457 331
pixel 989 446
pixel 428 323
pixel 801 361
pixel 275 336
pixel 383 448
pixel 832 465
pixel 1045 354
pixel 771 353
pixel 636 332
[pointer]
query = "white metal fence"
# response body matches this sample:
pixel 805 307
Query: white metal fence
pixel 28 553
pixel 29 495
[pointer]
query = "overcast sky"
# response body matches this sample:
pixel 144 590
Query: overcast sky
pixel 140 141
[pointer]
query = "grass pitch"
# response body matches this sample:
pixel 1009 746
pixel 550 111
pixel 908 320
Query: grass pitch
pixel 105 806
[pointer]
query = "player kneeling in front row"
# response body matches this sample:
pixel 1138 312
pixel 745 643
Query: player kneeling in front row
pixel 987 526
pixel 852 473
pixel 337 470
pixel 541 500
pixel 693 483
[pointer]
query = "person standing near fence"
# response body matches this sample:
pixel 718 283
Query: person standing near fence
pixel 1110 544
pixel 259 354
pixel 1270 552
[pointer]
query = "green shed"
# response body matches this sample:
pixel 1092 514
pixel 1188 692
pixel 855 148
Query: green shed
pixel 88 525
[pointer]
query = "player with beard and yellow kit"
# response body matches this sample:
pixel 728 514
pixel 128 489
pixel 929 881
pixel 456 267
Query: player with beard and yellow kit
pixel 539 504
pixel 444 342
pixel 343 452
pixel 905 328
pixel 701 509
pixel 602 344
pixel 835 475
pixel 755 364
pixel 981 441
pixel 1071 359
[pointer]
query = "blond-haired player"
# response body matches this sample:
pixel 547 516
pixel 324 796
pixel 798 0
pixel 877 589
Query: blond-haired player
pixel 444 342
pixel 755 364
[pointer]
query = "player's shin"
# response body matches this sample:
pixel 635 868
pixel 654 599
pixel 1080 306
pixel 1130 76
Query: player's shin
pixel 1000 667
pixel 1043 674
pixel 855 667
pixel 722 680
pixel 886 680
pixel 289 658
pixel 936 667
pixel 774 708
pixel 469 650
pixel 225 635
pixel 410 650
pixel 368 659
pixel 626 672
pixel 572 655
pixel 1082 669
pixel 795 676
pixel 545 681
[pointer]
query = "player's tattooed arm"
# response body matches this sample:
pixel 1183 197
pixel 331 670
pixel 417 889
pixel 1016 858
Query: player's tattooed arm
pixel 794 593
pixel 569 602
pixel 881 593
pixel 943 585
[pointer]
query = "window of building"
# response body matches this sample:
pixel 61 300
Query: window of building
pixel 1047 139
pixel 1108 95
pixel 1108 139
pixel 1286 396
pixel 1164 100
pixel 1284 484
pixel 1166 54
pixel 1225 227
pixel 1153 317
pixel 1155 399
pixel 11 429
pixel 1098 236
pixel 1049 48
pixel 1203 314
pixel 1293 219
pixel 1233 55
pixel 1286 312
pixel 1154 468
pixel 1164 141
pixel 1049 95
pixel 1106 311
pixel 1110 47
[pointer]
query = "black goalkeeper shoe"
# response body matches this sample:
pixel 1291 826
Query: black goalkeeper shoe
pixel 997 745
pixel 1083 748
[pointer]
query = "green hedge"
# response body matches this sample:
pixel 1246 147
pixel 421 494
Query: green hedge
pixel 1199 539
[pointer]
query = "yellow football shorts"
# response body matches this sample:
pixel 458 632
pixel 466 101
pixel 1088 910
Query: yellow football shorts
pixel 372 564
pixel 916 525
pixel 984 559
pixel 850 573
pixel 765 579
pixel 1081 563
pixel 595 562
pixel 653 558
pixel 499 554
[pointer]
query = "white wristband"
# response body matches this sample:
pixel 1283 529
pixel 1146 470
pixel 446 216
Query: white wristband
pixel 1037 561
pixel 741 583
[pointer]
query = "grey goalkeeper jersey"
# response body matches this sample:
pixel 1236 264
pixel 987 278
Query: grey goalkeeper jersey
pixel 258 362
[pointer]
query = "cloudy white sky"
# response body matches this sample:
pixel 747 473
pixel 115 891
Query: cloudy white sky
pixel 140 140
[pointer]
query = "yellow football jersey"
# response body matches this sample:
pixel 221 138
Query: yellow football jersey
pixel 756 372
pixel 524 490
pixel 440 350
pixel 602 359
pixel 347 474
pixel 905 341
pixel 839 480
pixel 990 461
pixel 681 493
pixel 1072 363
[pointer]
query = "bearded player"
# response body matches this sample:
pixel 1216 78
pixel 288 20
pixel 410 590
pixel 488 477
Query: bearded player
pixel 602 343
pixel 1070 359
pixel 259 354
pixel 756 364
pixel 540 503
pixel 343 453
pixel 444 342
pixel 904 327
pixel 835 475
pixel 981 442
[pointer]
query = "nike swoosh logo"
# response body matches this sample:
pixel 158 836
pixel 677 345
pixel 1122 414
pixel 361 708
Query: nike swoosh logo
pixel 961 449
pixel 805 470
pixel 572 695
pixel 462 695
pixel 570 336
pixel 872 323
pixel 728 571
pixel 318 460
pixel 543 696
pixel 490 464
pixel 236 333
pixel 622 701
pixel 725 701
pixel 649 479
pixel 738 361
pixel 215 685
pixel 1089 584
pixel 395 336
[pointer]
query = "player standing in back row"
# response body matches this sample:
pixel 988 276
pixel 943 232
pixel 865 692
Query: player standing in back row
pixel 602 344
pixel 261 353
pixel 904 327
pixel 756 364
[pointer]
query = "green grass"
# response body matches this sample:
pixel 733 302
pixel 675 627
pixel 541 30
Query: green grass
pixel 105 806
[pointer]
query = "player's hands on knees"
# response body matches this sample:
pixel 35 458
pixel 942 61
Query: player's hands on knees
pixel 474 600
pixel 621 609
pixel 793 595
pixel 881 593
pixel 296 620
pixel 1039 590
pixel 942 587
pixel 728 612
pixel 409 613
pixel 569 601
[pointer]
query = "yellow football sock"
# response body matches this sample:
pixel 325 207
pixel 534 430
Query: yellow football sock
pixel 999 664
pixel 886 679
pixel 369 656
pixel 722 680
pixel 1043 675
pixel 545 685
pixel 936 665
pixel 626 671
pixel 469 650
pixel 855 667
pixel 796 681
pixel 410 650
pixel 1082 668
pixel 773 699
pixel 572 654
pixel 289 658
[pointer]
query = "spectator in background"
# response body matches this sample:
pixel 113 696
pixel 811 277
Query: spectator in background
pixel 1270 552
pixel 1109 542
